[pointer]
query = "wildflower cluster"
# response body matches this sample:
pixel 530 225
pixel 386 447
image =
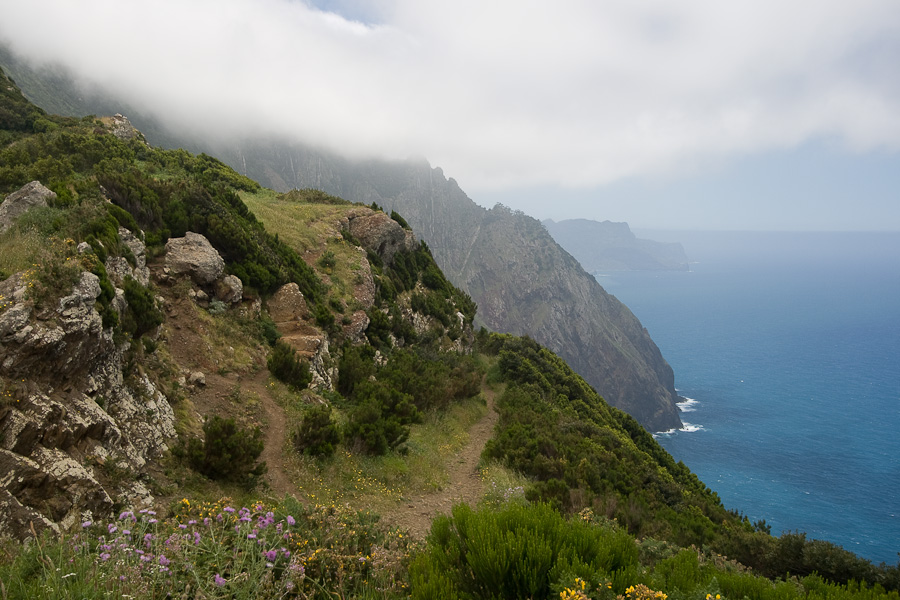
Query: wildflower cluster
pixel 642 592
pixel 216 550
pixel 582 589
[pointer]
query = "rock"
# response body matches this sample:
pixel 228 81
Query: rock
pixel 197 378
pixel 288 304
pixel 193 255
pixel 84 248
pixel 74 406
pixel 379 233
pixel 121 127
pixel 140 272
pixel 118 269
pixel 28 196
pixel 229 289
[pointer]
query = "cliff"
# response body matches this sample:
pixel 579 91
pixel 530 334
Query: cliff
pixel 521 279
pixel 606 246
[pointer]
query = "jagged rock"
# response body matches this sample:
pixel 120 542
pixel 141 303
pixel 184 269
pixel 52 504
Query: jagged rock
pixel 197 378
pixel 75 407
pixel 117 268
pixel 28 196
pixel 229 289
pixel 379 233
pixel 356 329
pixel 84 248
pixel 121 127
pixel 140 272
pixel 193 255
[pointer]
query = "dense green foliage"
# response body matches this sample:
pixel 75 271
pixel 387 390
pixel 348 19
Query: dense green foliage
pixel 515 552
pixel 227 452
pixel 521 551
pixel 287 367
pixel 581 453
pixel 318 434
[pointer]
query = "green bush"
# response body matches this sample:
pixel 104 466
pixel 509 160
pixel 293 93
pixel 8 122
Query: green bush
pixel 227 452
pixel 284 365
pixel 142 314
pixel 318 435
pixel 380 421
pixel 519 551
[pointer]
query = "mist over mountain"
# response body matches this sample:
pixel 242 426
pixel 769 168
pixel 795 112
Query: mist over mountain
pixel 521 279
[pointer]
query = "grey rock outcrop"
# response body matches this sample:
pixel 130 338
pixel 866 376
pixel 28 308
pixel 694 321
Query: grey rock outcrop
pixel 380 234
pixel 229 289
pixel 193 255
pixel 287 307
pixel 71 413
pixel 19 202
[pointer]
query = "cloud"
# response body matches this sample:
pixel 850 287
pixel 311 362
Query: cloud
pixel 575 93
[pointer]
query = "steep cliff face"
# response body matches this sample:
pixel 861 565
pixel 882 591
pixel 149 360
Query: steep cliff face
pixel 521 279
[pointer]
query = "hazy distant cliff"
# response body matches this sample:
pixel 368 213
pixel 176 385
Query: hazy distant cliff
pixel 608 246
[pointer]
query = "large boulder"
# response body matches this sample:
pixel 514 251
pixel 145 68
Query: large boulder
pixel 193 255
pixel 380 234
pixel 229 289
pixel 28 196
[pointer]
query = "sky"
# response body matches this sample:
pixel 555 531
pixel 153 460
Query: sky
pixel 697 114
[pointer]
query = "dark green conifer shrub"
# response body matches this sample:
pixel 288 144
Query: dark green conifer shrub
pixel 318 434
pixel 142 314
pixel 380 421
pixel 284 364
pixel 227 452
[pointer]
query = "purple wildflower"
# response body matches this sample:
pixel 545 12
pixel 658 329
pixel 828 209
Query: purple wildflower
pixel 251 536
pixel 271 555
pixel 163 561
pixel 196 538
pixel 105 556
pixel 151 521
pixel 228 509
pixel 182 526
pixel 219 580
pixel 112 528
pixel 291 521
pixel 86 524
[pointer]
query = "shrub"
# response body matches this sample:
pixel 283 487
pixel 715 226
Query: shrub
pixel 227 452
pixel 142 314
pixel 284 365
pixel 516 552
pixel 380 422
pixel 318 434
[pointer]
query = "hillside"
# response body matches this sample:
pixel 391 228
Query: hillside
pixel 606 246
pixel 166 325
pixel 522 280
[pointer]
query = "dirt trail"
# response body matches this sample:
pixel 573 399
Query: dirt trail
pixel 464 484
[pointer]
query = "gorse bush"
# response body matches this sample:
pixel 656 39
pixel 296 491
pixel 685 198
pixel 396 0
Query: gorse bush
pixel 227 452
pixel 284 364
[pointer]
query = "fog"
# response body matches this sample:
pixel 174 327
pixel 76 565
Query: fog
pixel 573 96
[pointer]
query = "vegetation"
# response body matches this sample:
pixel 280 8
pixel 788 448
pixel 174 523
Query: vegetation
pixel 284 364
pixel 589 505
pixel 227 452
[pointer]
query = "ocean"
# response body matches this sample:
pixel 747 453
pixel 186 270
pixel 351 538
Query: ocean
pixel 786 348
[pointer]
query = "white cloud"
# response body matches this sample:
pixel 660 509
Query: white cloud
pixel 570 93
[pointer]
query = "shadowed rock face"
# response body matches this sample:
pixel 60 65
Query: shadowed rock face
pixel 521 279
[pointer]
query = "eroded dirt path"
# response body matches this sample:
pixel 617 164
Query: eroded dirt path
pixel 464 483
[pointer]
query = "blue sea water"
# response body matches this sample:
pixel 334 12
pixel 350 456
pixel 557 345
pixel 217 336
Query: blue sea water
pixel 788 349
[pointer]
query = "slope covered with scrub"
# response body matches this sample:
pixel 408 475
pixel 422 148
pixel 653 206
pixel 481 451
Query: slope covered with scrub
pixel 348 364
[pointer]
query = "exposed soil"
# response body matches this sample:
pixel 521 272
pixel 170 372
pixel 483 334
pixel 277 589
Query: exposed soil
pixel 246 397
pixel 464 483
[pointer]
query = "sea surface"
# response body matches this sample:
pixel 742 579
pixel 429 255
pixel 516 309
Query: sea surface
pixel 786 348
